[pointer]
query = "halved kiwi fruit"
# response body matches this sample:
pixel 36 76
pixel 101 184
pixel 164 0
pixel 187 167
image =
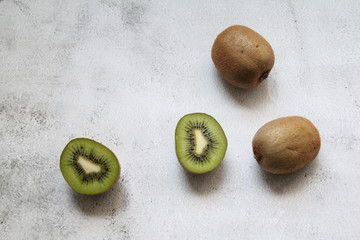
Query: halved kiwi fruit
pixel 88 166
pixel 200 143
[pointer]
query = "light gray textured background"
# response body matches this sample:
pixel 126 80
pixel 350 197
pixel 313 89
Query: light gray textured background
pixel 124 72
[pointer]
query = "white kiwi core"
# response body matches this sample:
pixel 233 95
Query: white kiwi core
pixel 88 166
pixel 201 141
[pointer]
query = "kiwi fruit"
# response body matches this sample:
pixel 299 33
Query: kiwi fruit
pixel 286 144
pixel 242 56
pixel 88 166
pixel 200 143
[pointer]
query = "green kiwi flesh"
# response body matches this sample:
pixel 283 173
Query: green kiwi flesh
pixel 200 143
pixel 88 166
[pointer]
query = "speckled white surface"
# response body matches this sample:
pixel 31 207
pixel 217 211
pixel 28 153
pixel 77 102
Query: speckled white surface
pixel 124 72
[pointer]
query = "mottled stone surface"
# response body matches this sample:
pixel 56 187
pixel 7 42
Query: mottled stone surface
pixel 124 72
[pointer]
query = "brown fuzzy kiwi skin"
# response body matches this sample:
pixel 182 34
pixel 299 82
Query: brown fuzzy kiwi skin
pixel 242 56
pixel 286 144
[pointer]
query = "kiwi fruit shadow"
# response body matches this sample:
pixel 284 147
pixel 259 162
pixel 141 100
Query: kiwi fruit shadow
pixel 288 183
pixel 249 98
pixel 105 204
pixel 206 183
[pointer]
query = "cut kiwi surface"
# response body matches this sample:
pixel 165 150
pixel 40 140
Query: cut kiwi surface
pixel 88 166
pixel 200 143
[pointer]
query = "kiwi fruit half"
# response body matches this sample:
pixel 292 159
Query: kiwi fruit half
pixel 200 143
pixel 88 166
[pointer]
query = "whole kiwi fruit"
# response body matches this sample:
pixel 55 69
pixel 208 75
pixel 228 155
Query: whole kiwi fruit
pixel 242 56
pixel 286 144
